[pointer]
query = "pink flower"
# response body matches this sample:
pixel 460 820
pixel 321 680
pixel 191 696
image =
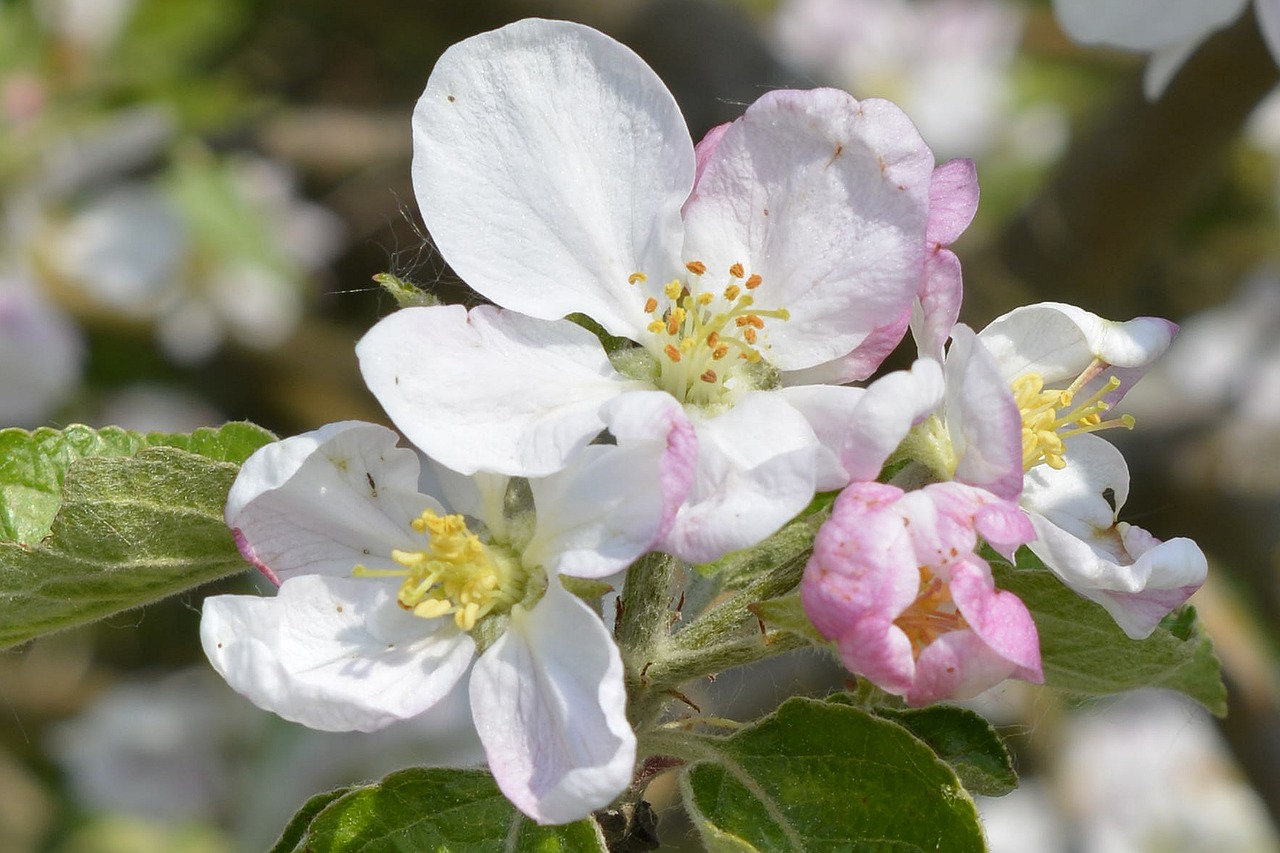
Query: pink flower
pixel 896 583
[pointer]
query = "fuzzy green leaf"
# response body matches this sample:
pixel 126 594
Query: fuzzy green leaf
pixel 966 741
pixel 444 811
pixel 1084 652
pixel 34 464
pixel 109 520
pixel 821 776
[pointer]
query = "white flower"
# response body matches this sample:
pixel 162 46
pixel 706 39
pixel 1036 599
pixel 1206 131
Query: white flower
pixel 557 177
pixel 1170 30
pixel 1066 368
pixel 389 601
pixel 40 354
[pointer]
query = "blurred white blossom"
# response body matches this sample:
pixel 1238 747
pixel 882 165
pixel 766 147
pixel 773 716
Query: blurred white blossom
pixel 40 354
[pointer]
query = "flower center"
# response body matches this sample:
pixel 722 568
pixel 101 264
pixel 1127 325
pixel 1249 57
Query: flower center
pixel 457 574
pixel 703 338
pixel 931 615
pixel 1050 415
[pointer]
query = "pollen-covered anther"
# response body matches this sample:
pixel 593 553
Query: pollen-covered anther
pixel 731 292
pixel 637 278
pixel 456 574
pixel 650 305
pixel 753 282
pixel 708 375
pixel 1050 415
pixel 737 271
pixel 672 352
pixel 696 267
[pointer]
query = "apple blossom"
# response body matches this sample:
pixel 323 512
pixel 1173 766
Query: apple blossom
pixel 557 177
pixel 390 600
pixel 1066 368
pixel 1169 31
pixel 896 583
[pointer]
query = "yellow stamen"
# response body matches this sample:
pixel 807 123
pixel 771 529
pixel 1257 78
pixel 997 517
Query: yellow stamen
pixel 637 277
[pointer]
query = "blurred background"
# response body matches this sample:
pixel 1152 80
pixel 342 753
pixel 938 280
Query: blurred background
pixel 194 195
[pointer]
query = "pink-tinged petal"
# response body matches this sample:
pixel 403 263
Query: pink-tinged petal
pixel 755 471
pixel 489 390
pixel 982 418
pixel 703 150
pixel 958 665
pixel 1059 341
pixel 335 654
pixel 325 501
pixel 997 617
pixel 550 707
pixel 654 421
pixel 859 364
pixel 885 414
pixel 937 307
pixel 1138 590
pixel 830 410
pixel 1143 24
pixel 953 200
pixel 550 163
pixel 964 512
pixel 1005 527
pixel 614 502
pixel 880 652
pixel 863 565
pixel 826 198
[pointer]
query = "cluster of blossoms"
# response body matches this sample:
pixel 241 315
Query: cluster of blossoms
pixel 741 284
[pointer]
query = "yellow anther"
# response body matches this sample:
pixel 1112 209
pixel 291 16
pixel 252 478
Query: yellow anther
pixel 737 271
pixel 705 298
pixel 696 267
pixel 749 335
pixel 656 326
pixel 672 289
pixel 637 277
pixel 731 292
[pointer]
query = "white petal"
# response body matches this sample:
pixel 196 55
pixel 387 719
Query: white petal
pixel 489 390
pixel 982 418
pixel 550 163
pixel 1059 341
pixel 827 199
pixel 613 502
pixel 1072 498
pixel 756 470
pixel 324 501
pixel 335 654
pixel 859 428
pixel 1143 24
pixel 480 495
pixel 550 707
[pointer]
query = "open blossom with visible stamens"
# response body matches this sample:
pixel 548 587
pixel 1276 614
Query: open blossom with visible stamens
pixel 1066 368
pixel 391 599
pixel 896 583
pixel 557 177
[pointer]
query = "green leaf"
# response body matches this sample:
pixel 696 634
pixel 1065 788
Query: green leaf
pixel 137 523
pixel 34 464
pixel 1085 652
pixel 819 776
pixel 443 811
pixel 966 741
